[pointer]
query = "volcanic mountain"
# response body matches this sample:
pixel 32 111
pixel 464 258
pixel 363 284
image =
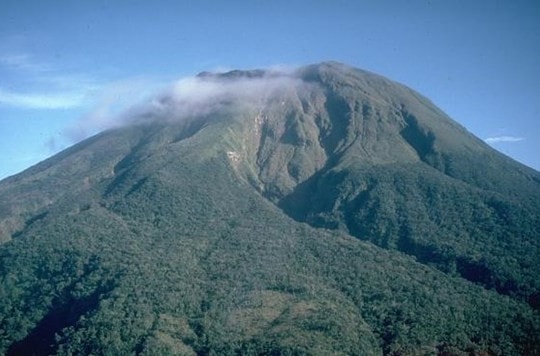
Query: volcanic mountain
pixel 323 210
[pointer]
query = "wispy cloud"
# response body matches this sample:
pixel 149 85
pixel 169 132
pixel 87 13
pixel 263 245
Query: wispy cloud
pixel 32 84
pixel 23 61
pixel 499 139
pixel 35 85
pixel 142 100
pixel 112 102
pixel 194 96
pixel 41 101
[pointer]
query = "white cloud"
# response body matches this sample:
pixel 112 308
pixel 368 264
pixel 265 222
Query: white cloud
pixel 23 61
pixel 41 101
pixel 111 103
pixel 195 96
pixel 498 139
pixel 203 89
pixel 32 84
pixel 142 99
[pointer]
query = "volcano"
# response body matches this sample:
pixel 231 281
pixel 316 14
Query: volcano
pixel 321 210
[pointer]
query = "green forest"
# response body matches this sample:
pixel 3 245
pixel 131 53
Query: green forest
pixel 348 217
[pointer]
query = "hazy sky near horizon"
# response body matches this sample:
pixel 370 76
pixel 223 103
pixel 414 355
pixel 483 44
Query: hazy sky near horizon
pixel 66 66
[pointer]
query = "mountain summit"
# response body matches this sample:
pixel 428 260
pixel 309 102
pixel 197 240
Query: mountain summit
pixel 321 210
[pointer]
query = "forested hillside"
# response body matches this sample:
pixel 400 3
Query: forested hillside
pixel 324 211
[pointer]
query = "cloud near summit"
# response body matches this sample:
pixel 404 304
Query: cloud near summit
pixel 202 95
pixel 186 98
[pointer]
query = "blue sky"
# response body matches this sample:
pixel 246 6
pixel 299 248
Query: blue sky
pixel 68 67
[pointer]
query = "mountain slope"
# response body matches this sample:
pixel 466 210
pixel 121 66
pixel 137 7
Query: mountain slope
pixel 175 236
pixel 373 158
